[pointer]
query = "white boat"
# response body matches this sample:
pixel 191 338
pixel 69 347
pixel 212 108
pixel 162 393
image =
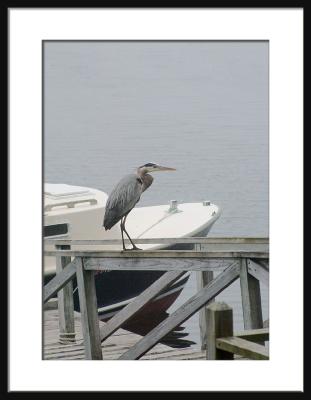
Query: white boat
pixel 76 213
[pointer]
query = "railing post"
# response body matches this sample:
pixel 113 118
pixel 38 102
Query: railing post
pixel 220 324
pixel 89 313
pixel 251 298
pixel 203 278
pixel 65 303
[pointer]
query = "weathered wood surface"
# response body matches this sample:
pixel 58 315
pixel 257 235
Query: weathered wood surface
pixel 220 323
pixel 157 264
pixel 223 280
pixel 139 302
pixel 89 315
pixel 137 254
pixel 51 304
pixel 254 334
pixel 243 347
pixel 203 240
pixel 65 303
pixel 251 298
pixel 258 271
pixel 233 264
pixel 235 247
pixel 112 348
pixel 203 279
pixel 59 281
pixel 263 262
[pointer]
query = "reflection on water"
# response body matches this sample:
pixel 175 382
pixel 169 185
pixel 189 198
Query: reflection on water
pixel 199 107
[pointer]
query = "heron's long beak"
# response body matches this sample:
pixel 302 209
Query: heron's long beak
pixel 160 168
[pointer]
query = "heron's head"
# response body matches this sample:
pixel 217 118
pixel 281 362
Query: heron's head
pixel 151 167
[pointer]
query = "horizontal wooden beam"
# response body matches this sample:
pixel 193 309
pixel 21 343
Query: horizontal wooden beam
pixel 157 264
pixel 207 240
pixel 59 281
pixel 218 247
pixel 138 303
pixel 223 280
pixel 243 347
pixel 135 254
pixel 254 334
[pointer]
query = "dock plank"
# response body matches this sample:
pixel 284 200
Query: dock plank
pixel 112 348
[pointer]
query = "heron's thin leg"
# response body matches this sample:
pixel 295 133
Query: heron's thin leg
pixel 133 244
pixel 122 227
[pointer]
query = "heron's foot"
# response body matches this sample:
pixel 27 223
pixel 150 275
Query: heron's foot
pixel 135 248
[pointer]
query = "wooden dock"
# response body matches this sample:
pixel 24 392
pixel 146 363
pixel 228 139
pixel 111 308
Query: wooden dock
pixel 112 348
pixel 246 259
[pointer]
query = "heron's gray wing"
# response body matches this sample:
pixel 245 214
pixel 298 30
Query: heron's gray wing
pixel 122 199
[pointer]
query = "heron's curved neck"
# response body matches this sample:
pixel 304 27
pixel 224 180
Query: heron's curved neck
pixel 146 179
pixel 141 172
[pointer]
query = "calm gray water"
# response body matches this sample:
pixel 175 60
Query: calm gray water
pixel 201 107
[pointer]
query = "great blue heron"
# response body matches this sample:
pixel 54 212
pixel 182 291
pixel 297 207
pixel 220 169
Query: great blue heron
pixel 126 194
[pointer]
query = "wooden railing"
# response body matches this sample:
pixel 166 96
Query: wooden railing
pixel 222 344
pixel 233 258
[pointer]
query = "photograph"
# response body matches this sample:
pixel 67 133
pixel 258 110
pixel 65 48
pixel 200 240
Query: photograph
pixel 155 193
